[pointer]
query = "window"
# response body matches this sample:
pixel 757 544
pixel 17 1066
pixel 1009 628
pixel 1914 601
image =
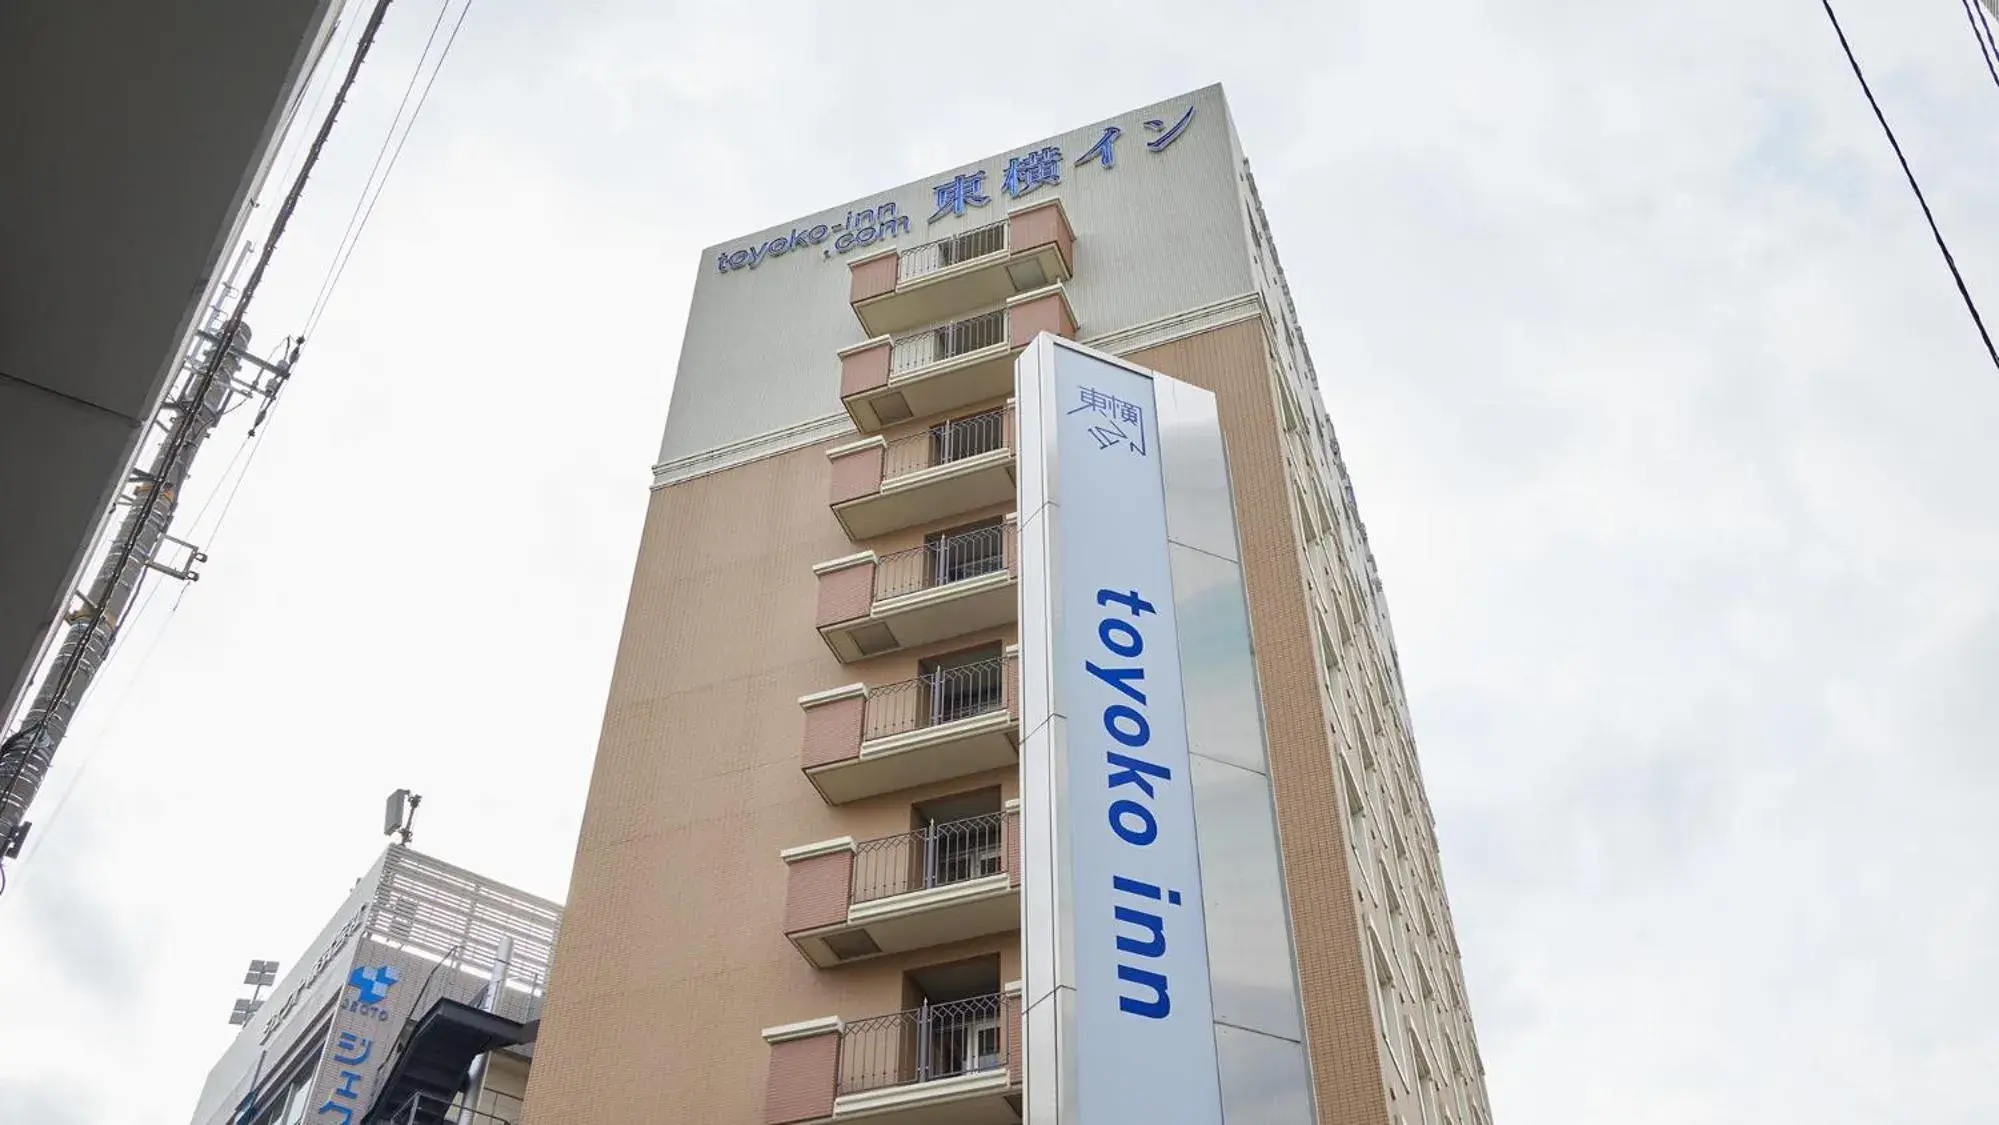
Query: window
pixel 960 838
pixel 287 1100
pixel 955 1010
pixel 965 437
pixel 1357 827
pixel 960 685
pixel 1426 1083
pixel 1387 1010
pixel 965 552
pixel 1289 414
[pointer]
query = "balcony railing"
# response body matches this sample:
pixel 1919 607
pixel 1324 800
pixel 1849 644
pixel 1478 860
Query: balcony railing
pixel 946 252
pixel 944 443
pixel 423 1109
pixel 924 1044
pixel 935 856
pixel 942 561
pixel 465 977
pixel 946 341
pixel 935 698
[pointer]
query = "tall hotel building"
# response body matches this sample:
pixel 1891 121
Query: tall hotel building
pixel 820 872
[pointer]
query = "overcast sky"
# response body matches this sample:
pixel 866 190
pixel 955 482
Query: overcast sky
pixel 1670 433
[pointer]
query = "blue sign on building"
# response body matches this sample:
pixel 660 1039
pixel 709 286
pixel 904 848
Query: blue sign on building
pixel 955 198
pixel 860 228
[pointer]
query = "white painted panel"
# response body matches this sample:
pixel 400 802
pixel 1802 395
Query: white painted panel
pixel 1144 1039
pixel 1156 234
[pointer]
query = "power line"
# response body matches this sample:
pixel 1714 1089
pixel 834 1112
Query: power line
pixel 339 268
pixel 1985 22
pixel 340 248
pixel 1956 275
pixel 253 444
pixel 1974 14
pixel 184 426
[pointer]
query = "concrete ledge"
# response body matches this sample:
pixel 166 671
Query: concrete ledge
pixel 812 851
pixel 856 446
pixel 804 1029
pixel 831 565
pixel 834 695
pixel 864 345
pixel 881 253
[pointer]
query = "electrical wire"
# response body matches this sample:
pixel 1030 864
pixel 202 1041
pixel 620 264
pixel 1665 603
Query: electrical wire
pixel 1987 49
pixel 340 265
pixel 52 818
pixel 183 429
pixel 343 40
pixel 1956 275
pixel 252 443
pixel 341 247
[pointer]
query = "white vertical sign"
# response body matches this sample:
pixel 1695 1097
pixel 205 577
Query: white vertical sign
pixel 1145 1040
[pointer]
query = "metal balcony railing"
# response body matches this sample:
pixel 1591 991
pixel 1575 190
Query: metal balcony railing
pixel 934 856
pixel 942 561
pixel 934 345
pixel 944 443
pixel 423 1109
pixel 924 1044
pixel 935 698
pixel 465 977
pixel 933 256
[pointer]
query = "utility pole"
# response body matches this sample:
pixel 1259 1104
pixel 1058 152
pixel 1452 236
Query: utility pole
pixel 211 384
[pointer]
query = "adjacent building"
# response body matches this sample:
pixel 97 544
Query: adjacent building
pixel 799 890
pixel 417 1004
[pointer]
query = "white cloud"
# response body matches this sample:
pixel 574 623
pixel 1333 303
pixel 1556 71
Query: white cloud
pixel 1669 433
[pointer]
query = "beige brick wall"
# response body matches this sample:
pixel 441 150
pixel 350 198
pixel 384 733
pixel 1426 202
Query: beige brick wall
pixel 803 1076
pixel 855 474
pixel 817 890
pixel 673 956
pixel 832 732
pixel 846 593
pixel 1339 1023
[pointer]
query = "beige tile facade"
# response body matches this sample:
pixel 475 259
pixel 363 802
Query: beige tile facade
pixel 1233 363
pixel 677 995
pixel 673 954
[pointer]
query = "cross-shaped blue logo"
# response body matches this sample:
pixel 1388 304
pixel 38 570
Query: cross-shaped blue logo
pixel 374 983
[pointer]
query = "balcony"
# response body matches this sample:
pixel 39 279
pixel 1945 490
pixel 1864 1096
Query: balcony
pixel 953 584
pixel 951 1063
pixel 895 291
pixel 947 366
pixel 942 724
pixel 425 1109
pixel 945 470
pixel 939 884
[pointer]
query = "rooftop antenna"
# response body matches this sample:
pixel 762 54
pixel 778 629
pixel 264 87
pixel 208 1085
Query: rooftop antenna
pixel 399 815
pixel 260 976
